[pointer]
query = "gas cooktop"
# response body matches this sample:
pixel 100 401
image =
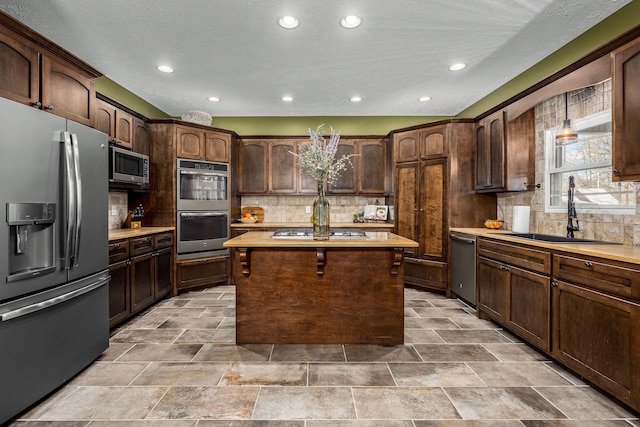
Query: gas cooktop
pixel 307 233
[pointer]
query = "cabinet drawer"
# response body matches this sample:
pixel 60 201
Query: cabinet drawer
pixel 141 245
pixel 201 272
pixel 118 251
pixel 609 276
pixel 524 257
pixel 163 240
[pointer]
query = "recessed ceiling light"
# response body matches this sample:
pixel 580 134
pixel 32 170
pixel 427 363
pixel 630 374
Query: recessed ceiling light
pixel 457 67
pixel 288 22
pixel 213 99
pixel 164 68
pixel 351 21
pixel 424 99
pixel 355 99
pixel 287 98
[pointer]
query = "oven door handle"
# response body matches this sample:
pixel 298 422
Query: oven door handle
pixel 189 214
pixel 183 172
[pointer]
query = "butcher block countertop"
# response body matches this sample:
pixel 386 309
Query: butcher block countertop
pixel 264 239
pixel 362 225
pixel 127 233
pixel 616 252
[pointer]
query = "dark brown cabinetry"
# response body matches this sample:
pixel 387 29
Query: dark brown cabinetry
pixel 429 198
pixel 123 129
pixel 584 311
pixel 369 174
pixel 141 137
pixel 198 144
pixel 625 112
pixel 513 288
pixel 505 152
pixel 201 272
pixel 253 166
pixel 43 77
pixel 141 273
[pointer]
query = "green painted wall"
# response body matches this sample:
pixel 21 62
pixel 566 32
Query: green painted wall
pixel 620 22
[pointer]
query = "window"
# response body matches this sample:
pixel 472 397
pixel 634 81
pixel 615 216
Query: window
pixel 588 160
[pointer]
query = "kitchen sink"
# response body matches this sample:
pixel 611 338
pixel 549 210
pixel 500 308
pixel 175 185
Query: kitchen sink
pixel 550 238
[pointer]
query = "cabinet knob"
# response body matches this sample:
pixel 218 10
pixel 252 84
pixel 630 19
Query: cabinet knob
pixel 616 171
pixel 117 245
pixel 554 284
pixel 49 107
pixel 504 267
pixel 588 264
pixel 36 104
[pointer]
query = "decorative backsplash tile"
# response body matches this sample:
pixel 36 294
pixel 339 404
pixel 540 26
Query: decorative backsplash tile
pixel 120 200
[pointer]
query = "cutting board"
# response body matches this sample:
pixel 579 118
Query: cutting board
pixel 253 210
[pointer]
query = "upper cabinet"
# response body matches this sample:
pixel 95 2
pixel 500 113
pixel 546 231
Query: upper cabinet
pixel 38 77
pixel 199 144
pixel 419 144
pixel 625 112
pixel 141 137
pixel 266 166
pixel 123 129
pixel 505 153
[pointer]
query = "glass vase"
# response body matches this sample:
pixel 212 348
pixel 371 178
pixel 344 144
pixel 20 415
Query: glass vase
pixel 321 214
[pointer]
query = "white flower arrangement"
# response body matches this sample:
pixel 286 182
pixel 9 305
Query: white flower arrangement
pixel 318 157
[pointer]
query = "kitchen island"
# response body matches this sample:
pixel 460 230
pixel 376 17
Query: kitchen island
pixel 301 291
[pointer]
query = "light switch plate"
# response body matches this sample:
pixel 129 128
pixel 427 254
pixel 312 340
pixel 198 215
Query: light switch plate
pixel 114 210
pixel 307 209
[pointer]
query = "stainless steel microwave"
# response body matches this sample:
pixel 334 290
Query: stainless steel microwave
pixel 128 167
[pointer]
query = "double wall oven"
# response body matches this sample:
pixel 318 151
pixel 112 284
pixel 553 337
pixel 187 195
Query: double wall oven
pixel 202 207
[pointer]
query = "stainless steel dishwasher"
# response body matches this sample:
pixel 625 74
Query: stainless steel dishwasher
pixel 463 266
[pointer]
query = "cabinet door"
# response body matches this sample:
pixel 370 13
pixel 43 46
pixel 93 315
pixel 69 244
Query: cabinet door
pixel 625 112
pixel 124 129
pixel 372 166
pixel 216 146
pixel 67 92
pixel 201 272
pixel 105 118
pixel 492 289
pixel 282 167
pixel 190 143
pixel 490 141
pixel 405 146
pixel 433 142
pixel 596 335
pixel 163 273
pixel 19 77
pixel 406 202
pixel 433 209
pixel 253 167
pixel 142 285
pixel 530 306
pixel 141 137
pixel 119 295
pixel 346 183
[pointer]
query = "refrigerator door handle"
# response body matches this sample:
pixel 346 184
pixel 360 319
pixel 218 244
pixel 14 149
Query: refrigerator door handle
pixel 78 188
pixel 70 195
pixel 32 308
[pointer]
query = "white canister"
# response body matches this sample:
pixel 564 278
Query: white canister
pixel 521 219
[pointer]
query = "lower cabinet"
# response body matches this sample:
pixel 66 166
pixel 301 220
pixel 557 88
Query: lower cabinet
pixel 201 272
pixel 582 311
pixel 141 273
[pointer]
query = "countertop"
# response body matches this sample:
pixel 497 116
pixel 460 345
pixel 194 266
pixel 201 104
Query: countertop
pixel 616 252
pixel 363 225
pixel 263 239
pixel 127 233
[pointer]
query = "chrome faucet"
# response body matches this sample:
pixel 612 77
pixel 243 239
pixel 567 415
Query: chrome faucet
pixel 571 209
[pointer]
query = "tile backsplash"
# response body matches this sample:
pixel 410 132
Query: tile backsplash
pixel 614 228
pixel 120 200
pixel 292 208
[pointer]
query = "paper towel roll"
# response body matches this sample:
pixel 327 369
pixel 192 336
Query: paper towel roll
pixel 521 219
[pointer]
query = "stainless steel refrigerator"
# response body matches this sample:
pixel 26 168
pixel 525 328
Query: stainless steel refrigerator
pixel 54 274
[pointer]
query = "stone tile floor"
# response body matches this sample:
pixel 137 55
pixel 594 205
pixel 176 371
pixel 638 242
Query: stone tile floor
pixel 176 365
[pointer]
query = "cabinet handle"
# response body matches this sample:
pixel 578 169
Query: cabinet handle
pixel 588 264
pixel 36 104
pixel 616 171
pixel 128 262
pixel 554 284
pixel 117 245
pixel 504 267
pixel 49 107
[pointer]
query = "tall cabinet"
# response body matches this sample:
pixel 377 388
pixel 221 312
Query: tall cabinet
pixel 433 191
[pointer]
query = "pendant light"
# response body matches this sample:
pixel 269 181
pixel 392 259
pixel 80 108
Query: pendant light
pixel 566 133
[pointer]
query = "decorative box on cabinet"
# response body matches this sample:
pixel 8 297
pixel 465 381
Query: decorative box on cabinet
pixel 43 78
pixel 625 112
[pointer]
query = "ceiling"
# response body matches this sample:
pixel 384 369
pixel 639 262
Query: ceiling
pixel 236 51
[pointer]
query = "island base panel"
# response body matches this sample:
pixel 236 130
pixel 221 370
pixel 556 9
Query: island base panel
pixel 283 299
